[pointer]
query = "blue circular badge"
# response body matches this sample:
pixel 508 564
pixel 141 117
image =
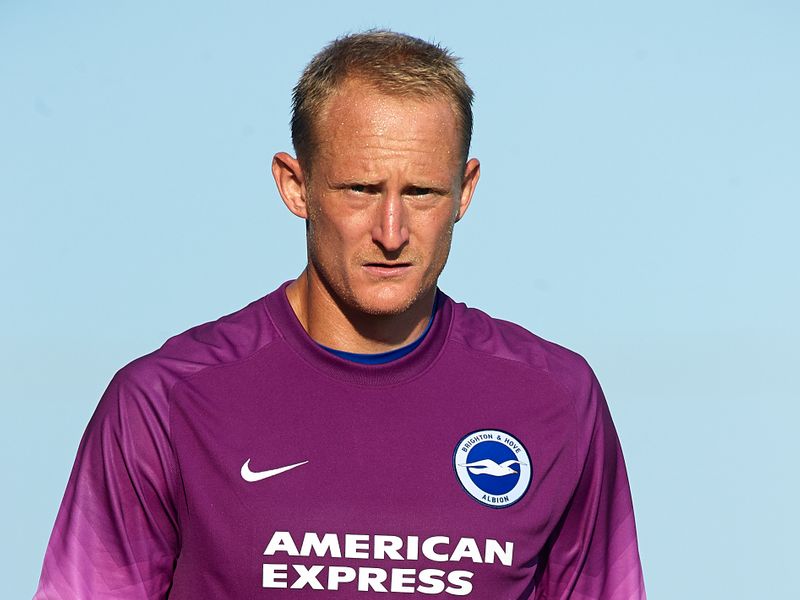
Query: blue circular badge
pixel 493 467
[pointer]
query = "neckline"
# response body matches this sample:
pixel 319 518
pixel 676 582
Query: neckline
pixel 377 358
pixel 407 367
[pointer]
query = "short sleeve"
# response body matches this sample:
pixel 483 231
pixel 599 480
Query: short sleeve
pixel 593 553
pixel 116 533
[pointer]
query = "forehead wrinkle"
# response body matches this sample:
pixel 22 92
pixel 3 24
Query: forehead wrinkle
pixel 402 131
pixel 370 164
pixel 373 150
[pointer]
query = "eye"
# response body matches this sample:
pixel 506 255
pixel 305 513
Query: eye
pixel 363 188
pixel 419 191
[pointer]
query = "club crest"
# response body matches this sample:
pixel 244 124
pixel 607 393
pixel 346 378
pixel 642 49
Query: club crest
pixel 493 467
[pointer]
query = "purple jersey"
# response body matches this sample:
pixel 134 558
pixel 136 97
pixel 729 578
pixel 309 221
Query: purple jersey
pixel 242 460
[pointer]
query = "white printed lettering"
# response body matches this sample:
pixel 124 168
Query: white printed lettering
pixel 428 548
pixel 412 547
pixel 403 581
pixel 466 547
pixel 356 545
pixel 432 578
pixel 460 579
pixel 387 546
pixel 273 576
pixel 329 544
pixel 307 575
pixel 337 575
pixel 371 578
pixel 504 554
pixel 281 542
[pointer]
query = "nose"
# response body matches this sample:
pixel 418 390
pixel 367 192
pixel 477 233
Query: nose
pixel 391 227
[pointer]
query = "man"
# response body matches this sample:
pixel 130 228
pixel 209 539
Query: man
pixel 355 432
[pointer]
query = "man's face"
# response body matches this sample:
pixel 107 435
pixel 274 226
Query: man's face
pixel 386 187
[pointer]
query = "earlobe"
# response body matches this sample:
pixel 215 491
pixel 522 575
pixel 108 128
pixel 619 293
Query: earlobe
pixel 291 183
pixel 472 172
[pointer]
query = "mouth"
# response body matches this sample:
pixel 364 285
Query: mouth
pixel 387 269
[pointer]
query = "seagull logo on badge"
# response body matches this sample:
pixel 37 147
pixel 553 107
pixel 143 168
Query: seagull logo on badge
pixel 488 467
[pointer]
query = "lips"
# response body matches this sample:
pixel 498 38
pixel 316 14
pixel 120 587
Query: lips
pixel 386 269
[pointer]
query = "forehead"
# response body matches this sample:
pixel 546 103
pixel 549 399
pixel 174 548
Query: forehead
pixel 360 117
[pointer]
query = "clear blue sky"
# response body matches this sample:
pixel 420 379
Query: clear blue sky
pixel 639 204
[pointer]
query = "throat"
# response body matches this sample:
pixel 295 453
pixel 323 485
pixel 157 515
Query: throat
pixel 337 327
pixel 380 358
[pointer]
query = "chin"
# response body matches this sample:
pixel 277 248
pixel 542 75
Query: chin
pixel 387 301
pixel 383 306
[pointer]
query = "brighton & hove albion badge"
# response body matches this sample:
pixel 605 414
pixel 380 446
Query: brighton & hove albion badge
pixel 493 467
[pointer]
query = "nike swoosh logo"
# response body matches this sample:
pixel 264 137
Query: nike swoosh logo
pixel 252 476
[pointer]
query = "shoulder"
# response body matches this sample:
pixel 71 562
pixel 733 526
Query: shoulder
pixel 505 340
pixel 229 339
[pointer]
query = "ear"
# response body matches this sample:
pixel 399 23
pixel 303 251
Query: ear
pixel 291 183
pixel 472 172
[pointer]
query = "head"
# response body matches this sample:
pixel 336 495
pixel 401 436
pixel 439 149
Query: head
pixel 393 63
pixel 381 128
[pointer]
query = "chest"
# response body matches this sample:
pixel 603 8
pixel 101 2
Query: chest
pixel 294 483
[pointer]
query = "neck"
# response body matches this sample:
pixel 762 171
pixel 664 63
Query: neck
pixel 335 325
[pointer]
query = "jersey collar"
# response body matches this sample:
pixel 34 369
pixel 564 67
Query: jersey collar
pixel 407 367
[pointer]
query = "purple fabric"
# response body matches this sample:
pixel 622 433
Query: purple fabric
pixel 157 504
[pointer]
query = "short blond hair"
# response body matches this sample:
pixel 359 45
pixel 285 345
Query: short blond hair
pixel 393 63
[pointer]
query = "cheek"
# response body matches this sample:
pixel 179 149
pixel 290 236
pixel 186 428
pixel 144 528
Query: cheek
pixel 332 237
pixel 443 243
pixel 436 244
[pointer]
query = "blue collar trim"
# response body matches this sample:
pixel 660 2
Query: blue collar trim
pixel 385 357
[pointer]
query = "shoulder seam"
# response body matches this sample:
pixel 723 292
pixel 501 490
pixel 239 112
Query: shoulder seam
pixel 256 350
pixel 275 327
pixel 552 377
pixel 199 372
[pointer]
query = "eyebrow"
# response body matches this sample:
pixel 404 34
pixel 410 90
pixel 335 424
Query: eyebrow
pixel 368 183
